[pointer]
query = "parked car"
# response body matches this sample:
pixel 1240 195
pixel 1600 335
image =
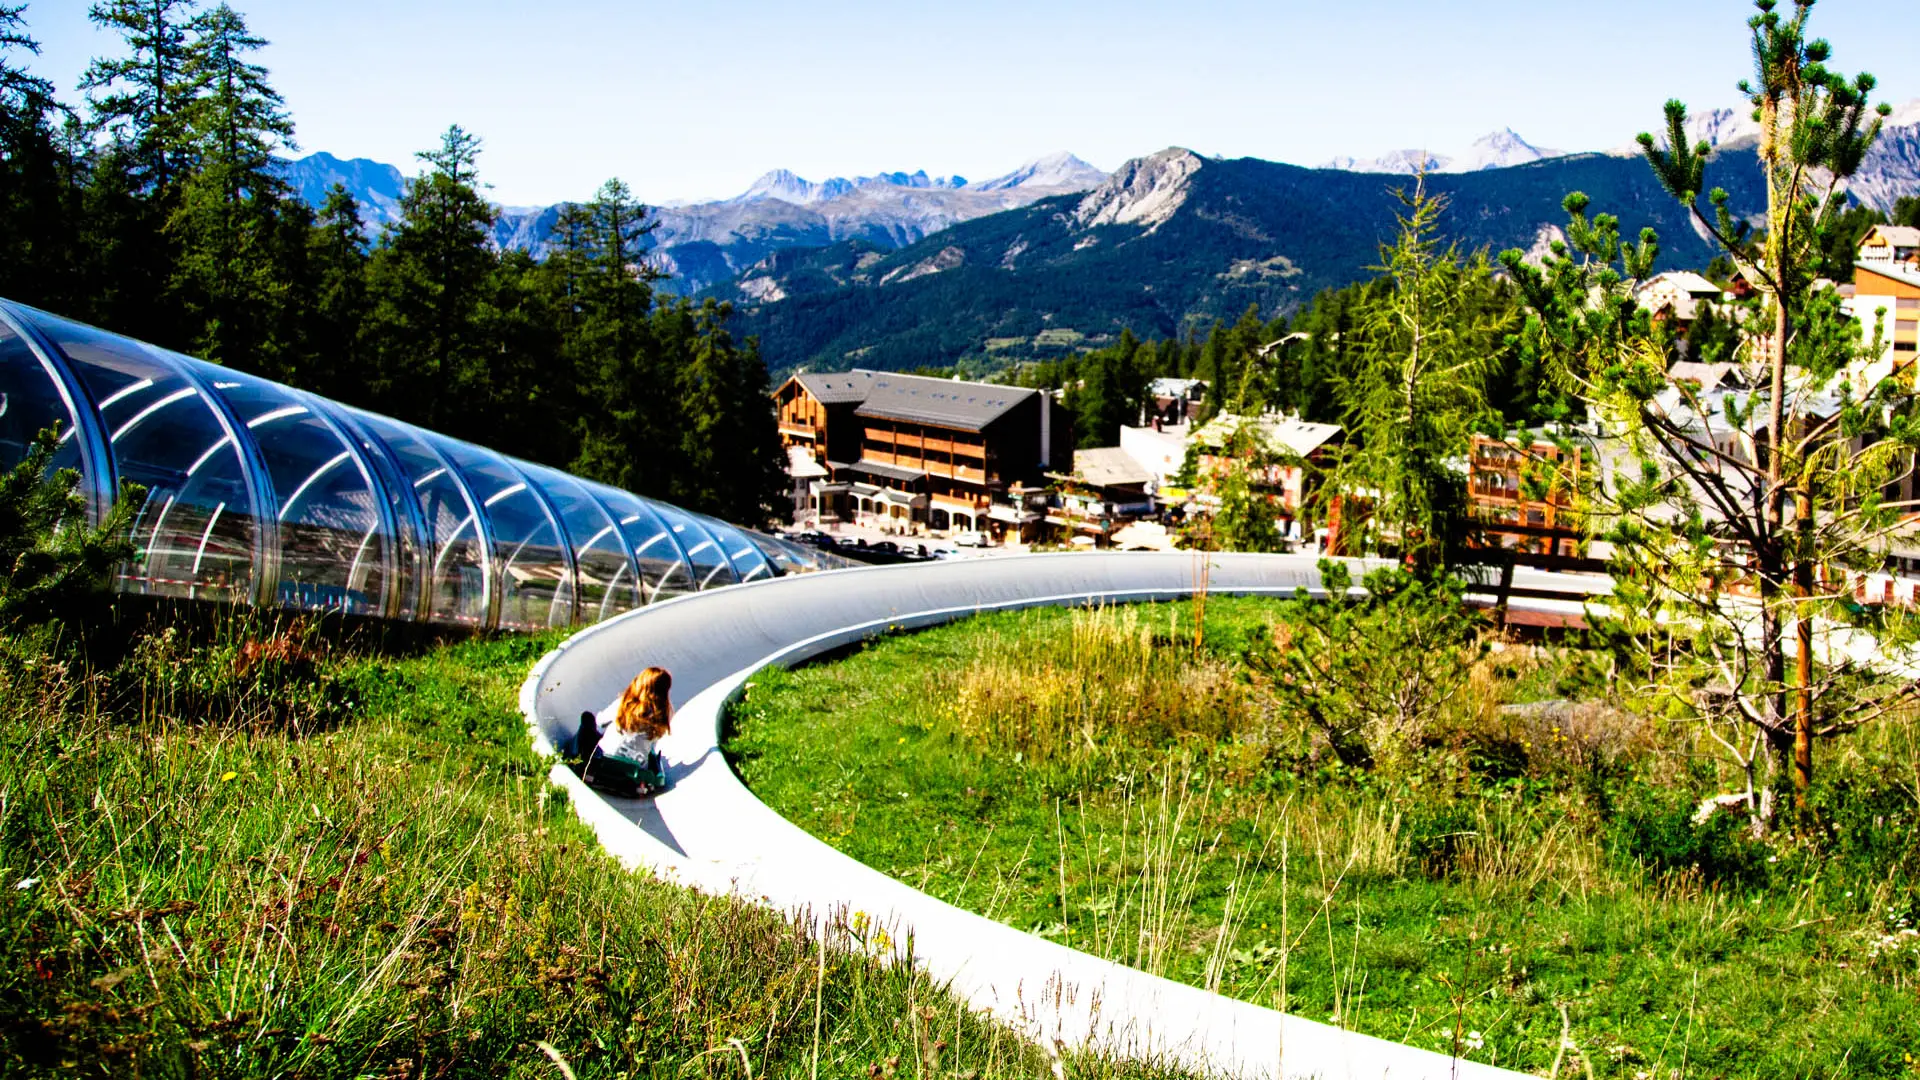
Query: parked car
pixel 970 539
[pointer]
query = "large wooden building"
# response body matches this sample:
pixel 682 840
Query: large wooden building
pixel 912 452
pixel 1517 491
pixel 1886 296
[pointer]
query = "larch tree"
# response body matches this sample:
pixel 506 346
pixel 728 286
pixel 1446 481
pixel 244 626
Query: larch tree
pixel 1419 391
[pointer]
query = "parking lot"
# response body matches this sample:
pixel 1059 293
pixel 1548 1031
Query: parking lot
pixel 846 534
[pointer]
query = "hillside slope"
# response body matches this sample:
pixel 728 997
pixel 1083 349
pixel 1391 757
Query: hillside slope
pixel 1168 244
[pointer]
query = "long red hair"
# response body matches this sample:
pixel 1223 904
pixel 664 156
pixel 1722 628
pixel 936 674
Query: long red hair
pixel 644 706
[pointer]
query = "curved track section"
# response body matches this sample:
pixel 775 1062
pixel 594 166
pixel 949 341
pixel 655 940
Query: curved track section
pixel 710 832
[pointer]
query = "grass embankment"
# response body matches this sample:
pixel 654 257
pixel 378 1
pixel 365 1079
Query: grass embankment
pixel 1527 889
pixel 252 858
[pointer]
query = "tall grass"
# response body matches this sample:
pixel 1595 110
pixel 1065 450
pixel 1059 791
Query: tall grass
pixel 198 879
pixel 1527 886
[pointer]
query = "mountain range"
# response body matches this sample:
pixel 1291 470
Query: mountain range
pixel 703 244
pixel 1497 150
pixel 1168 244
pixel 900 270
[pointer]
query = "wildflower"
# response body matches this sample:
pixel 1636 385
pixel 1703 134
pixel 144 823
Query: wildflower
pixel 26 883
pixel 1475 1040
pixel 224 777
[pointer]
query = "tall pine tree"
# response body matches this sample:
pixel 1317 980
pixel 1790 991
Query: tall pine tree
pixel 226 223
pixel 427 281
pixel 37 211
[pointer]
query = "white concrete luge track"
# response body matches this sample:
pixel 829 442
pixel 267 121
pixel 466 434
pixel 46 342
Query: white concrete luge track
pixel 710 832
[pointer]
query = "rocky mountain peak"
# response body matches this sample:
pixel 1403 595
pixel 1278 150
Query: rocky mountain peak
pixel 916 179
pixel 784 185
pixel 1145 191
pixel 1498 150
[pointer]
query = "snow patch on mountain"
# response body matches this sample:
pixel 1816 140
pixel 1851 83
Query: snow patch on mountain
pixel 1495 150
pixel 1890 171
pixel 782 184
pixel 1061 171
pixel 1145 191
pixel 1720 129
pixel 1892 167
pixel 1542 248
pixel 1397 162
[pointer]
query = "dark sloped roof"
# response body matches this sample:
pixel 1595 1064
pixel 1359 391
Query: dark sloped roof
pixel 968 406
pixel 836 388
pixel 891 472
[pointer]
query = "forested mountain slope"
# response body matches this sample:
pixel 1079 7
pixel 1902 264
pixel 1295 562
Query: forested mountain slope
pixel 1167 245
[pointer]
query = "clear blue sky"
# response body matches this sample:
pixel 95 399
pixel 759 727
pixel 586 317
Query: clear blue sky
pixel 695 98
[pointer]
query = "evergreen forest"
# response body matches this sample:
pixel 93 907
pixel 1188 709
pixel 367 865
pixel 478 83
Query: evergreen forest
pixel 156 209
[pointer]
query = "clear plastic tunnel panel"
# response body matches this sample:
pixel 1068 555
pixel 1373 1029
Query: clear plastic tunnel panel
pixel 458 560
pixel 532 566
pixel 663 570
pixel 748 562
pixel 781 556
pixel 257 492
pixel 608 584
pixel 198 531
pixel 711 569
pixel 335 541
pixel 31 402
pixel 395 492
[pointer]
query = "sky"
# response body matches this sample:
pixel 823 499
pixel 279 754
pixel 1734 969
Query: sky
pixel 691 100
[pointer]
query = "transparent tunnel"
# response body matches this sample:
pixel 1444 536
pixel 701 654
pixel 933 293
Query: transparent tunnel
pixel 259 493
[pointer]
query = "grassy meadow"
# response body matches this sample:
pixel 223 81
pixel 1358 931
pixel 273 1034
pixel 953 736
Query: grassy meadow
pixel 1521 881
pixel 251 851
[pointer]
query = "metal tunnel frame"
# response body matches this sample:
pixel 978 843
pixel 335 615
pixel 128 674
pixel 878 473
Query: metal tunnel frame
pixel 260 493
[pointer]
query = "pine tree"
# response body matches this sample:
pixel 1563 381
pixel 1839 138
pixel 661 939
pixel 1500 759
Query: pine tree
pixel 427 280
pixel 1740 520
pixel 145 94
pixel 628 414
pixel 335 299
pixel 36 211
pixel 139 101
pixel 729 462
pixel 26 100
pixel 230 277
